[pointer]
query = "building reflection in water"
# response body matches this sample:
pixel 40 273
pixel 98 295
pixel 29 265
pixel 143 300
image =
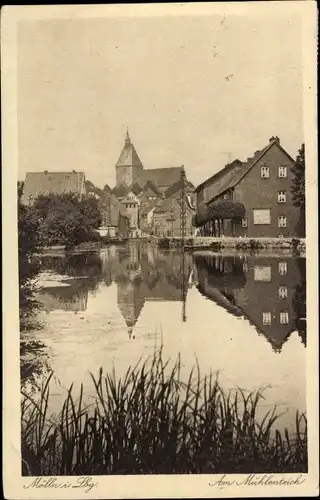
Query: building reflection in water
pixel 268 291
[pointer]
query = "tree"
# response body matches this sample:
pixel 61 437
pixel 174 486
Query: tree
pixel 298 188
pixel 29 243
pixel 149 184
pixel 136 188
pixel 176 187
pixel 67 220
pixel 120 191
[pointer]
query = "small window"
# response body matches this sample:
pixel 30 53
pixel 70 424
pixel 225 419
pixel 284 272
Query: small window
pixel 282 172
pixel 284 318
pixel 282 221
pixel 283 292
pixel 282 266
pixel 244 222
pixel 225 196
pixel 282 196
pixel 265 172
pixel 266 318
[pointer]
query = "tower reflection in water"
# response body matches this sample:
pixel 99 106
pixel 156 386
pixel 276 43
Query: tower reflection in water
pixel 143 273
pixel 270 292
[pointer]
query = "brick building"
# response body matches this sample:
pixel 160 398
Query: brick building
pixel 262 186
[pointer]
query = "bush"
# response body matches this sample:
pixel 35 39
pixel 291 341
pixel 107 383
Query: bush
pixel 67 220
pixel 255 245
pixel 295 242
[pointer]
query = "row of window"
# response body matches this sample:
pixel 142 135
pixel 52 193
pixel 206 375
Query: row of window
pixel 265 172
pixel 265 271
pixel 267 318
pixel 282 221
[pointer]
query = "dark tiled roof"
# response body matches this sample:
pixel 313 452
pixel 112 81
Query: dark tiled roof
pixel 232 173
pixel 37 183
pixel 129 157
pixel 170 204
pixel 162 177
pixel 165 205
pixel 91 188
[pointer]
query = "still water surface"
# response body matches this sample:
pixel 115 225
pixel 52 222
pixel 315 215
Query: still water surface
pixel 239 315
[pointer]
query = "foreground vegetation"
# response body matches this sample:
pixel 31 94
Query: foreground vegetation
pixel 150 422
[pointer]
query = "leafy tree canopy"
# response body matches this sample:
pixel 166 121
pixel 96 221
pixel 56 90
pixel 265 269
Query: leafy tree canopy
pixel 120 191
pixel 298 181
pixel 66 220
pixel 298 189
pixel 136 188
pixel 152 186
pixel 177 187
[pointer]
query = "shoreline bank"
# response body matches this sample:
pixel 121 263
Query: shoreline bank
pixel 195 244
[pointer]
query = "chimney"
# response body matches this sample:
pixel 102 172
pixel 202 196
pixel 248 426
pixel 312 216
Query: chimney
pixel 274 139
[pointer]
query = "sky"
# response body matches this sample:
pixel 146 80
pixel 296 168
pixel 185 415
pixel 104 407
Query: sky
pixel 197 91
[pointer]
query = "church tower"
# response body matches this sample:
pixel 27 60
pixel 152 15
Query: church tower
pixel 129 167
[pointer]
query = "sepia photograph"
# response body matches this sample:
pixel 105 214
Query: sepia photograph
pixel 163 194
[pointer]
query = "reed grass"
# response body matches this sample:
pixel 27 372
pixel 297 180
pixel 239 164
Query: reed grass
pixel 150 422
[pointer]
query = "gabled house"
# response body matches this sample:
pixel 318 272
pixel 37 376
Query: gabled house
pixel 251 198
pixel 167 218
pixel 44 183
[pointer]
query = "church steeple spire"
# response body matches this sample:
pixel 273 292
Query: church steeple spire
pixel 127 140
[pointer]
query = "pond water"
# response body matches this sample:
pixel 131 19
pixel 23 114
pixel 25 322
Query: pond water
pixel 240 315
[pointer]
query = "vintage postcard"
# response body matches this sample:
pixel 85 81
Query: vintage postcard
pixel 160 250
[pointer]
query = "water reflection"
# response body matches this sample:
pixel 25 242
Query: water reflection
pixel 143 273
pixel 270 292
pixel 112 307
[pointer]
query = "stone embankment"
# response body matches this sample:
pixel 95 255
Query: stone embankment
pixel 255 244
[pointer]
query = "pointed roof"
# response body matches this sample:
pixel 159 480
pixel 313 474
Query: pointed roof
pixel 233 172
pixel 128 157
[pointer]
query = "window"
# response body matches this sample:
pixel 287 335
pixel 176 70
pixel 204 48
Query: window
pixel 282 221
pixel 262 273
pixel 283 292
pixel 264 172
pixel 282 267
pixel 282 196
pixel 261 216
pixel 282 172
pixel 245 267
pixel 284 318
pixel 266 318
pixel 244 222
pixel 225 196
